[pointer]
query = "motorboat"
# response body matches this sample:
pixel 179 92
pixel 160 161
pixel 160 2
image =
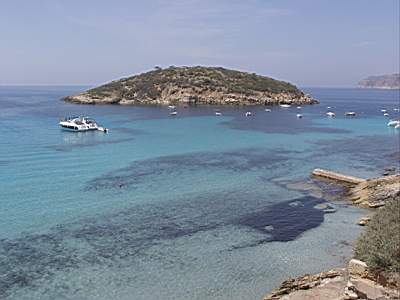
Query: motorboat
pixel 173 113
pixel 218 113
pixel 393 123
pixel 396 109
pixel 81 124
pixel 350 113
pixel 267 110
pixel 386 114
pixel 331 114
pixel 248 114
pixel 383 110
pixel 299 116
pixel 285 105
pixel 299 107
pixel 171 106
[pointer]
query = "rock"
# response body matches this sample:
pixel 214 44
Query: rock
pixel 350 295
pixel 376 204
pixel 357 268
pixel 364 221
pixel 369 289
pixel 374 193
pixel 269 228
pixel 325 207
pixel 304 283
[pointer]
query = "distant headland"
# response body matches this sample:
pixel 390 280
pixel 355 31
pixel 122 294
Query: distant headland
pixel 391 82
pixel 194 85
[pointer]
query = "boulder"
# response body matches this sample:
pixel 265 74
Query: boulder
pixel 357 268
pixel 364 221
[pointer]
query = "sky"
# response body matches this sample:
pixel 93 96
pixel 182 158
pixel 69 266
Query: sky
pixel 89 42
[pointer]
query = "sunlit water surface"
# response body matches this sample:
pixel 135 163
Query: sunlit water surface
pixel 194 206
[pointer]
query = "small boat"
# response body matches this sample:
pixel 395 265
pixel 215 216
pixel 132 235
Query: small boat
pixel 396 109
pixel 350 113
pixel 218 113
pixel 173 113
pixel 383 110
pixel 386 114
pixel 79 124
pixel 397 126
pixel 299 116
pixel 285 105
pixel 393 123
pixel 331 114
pixel 248 114
pixel 267 110
pixel 299 107
pixel 328 107
pixel 171 106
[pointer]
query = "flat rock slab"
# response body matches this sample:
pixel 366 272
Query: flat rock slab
pixel 332 290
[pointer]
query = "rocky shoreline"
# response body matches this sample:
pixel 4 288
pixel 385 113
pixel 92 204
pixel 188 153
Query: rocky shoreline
pixel 357 280
pixel 192 97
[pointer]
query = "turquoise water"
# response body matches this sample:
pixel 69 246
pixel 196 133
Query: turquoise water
pixel 175 207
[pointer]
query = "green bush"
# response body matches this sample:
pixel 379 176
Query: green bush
pixel 379 246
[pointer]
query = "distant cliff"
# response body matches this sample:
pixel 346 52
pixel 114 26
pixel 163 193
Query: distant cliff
pixel 381 82
pixel 194 85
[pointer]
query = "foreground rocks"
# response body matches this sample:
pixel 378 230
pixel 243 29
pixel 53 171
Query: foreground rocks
pixel 353 282
pixel 374 193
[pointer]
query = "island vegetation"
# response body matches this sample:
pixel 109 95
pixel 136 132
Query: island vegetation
pixel 194 85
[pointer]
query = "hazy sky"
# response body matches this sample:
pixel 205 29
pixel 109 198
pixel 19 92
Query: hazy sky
pixel 307 42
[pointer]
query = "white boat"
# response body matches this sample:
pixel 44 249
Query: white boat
pixel 350 113
pixel 331 114
pixel 81 124
pixel 171 106
pixel 396 109
pixel 328 107
pixel 267 110
pixel 299 107
pixel 173 113
pixel 299 116
pixel 285 105
pixel 393 123
pixel 386 114
pixel 218 113
pixel 397 126
pixel 383 110
pixel 248 114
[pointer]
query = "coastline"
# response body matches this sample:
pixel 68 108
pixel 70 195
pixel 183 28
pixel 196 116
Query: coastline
pixel 356 280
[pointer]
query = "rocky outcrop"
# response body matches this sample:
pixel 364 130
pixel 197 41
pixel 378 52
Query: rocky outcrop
pixel 323 284
pixel 381 82
pixel 353 282
pixel 195 85
pixel 374 193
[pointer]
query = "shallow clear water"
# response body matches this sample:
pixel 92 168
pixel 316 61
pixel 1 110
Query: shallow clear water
pixel 175 207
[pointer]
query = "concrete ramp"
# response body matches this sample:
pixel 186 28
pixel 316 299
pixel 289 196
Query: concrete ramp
pixel 337 177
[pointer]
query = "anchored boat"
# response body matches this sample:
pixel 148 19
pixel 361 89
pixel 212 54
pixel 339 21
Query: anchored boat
pixel 394 123
pixel 78 124
pixel 331 114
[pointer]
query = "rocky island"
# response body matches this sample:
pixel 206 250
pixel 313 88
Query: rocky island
pixel 194 85
pixel 391 82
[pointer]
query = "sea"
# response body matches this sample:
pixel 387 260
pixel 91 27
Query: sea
pixel 192 206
